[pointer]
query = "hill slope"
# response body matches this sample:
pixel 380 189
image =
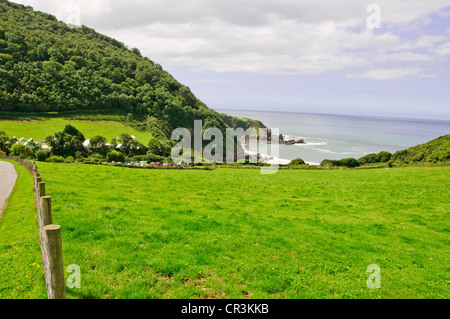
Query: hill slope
pixel 437 150
pixel 47 66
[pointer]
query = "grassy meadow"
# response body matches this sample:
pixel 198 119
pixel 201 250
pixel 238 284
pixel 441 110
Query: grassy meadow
pixel 234 233
pixel 21 271
pixel 41 128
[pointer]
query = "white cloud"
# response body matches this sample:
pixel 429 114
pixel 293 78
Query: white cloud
pixel 391 74
pixel 402 57
pixel 443 49
pixel 265 36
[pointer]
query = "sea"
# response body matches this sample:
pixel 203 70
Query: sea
pixel 329 136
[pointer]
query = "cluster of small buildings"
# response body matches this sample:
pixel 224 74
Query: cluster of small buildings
pixel 30 142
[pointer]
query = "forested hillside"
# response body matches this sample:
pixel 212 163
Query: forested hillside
pixel 48 66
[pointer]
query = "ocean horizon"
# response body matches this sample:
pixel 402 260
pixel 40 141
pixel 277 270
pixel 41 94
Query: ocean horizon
pixel 338 136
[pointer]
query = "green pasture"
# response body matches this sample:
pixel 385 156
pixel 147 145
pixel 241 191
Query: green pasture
pixel 234 233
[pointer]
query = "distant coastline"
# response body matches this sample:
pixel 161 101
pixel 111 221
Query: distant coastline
pixel 340 136
pixel 395 118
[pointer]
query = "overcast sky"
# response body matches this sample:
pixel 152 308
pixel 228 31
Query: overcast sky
pixel 385 58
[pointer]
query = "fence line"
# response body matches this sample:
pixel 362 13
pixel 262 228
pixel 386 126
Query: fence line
pixel 49 235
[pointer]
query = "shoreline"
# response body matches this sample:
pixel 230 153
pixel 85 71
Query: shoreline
pixel 269 159
pixel 273 160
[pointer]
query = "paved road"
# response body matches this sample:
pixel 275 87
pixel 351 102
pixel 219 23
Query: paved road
pixel 8 178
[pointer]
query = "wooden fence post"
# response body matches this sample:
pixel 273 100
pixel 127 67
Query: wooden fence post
pixel 41 189
pixel 46 210
pixel 53 246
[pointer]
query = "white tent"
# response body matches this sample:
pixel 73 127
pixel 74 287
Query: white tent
pixel 23 139
pixel 87 143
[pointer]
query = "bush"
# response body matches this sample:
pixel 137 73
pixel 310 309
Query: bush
pixel 21 151
pixel 348 162
pixel 369 158
pixel 41 155
pixel 56 159
pixel 327 162
pixel 97 157
pixel 91 160
pixel 297 161
pixel 384 157
pixel 115 156
pixel 69 159
pixel 381 157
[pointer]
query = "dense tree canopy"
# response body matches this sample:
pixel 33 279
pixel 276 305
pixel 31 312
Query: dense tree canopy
pixel 48 66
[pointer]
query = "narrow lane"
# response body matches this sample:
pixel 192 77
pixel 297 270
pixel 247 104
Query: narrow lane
pixel 8 177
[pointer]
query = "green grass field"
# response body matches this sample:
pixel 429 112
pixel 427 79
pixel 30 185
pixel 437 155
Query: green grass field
pixel 21 272
pixel 234 233
pixel 40 129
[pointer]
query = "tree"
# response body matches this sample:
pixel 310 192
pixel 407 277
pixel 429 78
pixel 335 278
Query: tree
pixel 129 145
pixel 4 142
pixel 46 66
pixel 72 130
pixel 66 143
pixel 156 147
pixel 98 144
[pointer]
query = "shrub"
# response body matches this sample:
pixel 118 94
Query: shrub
pixel 115 156
pixel 56 159
pixel 381 157
pixel 384 157
pixel 327 162
pixel 369 158
pixel 389 163
pixel 97 157
pixel 91 160
pixel 297 161
pixel 348 162
pixel 69 159
pixel 41 155
pixel 21 151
